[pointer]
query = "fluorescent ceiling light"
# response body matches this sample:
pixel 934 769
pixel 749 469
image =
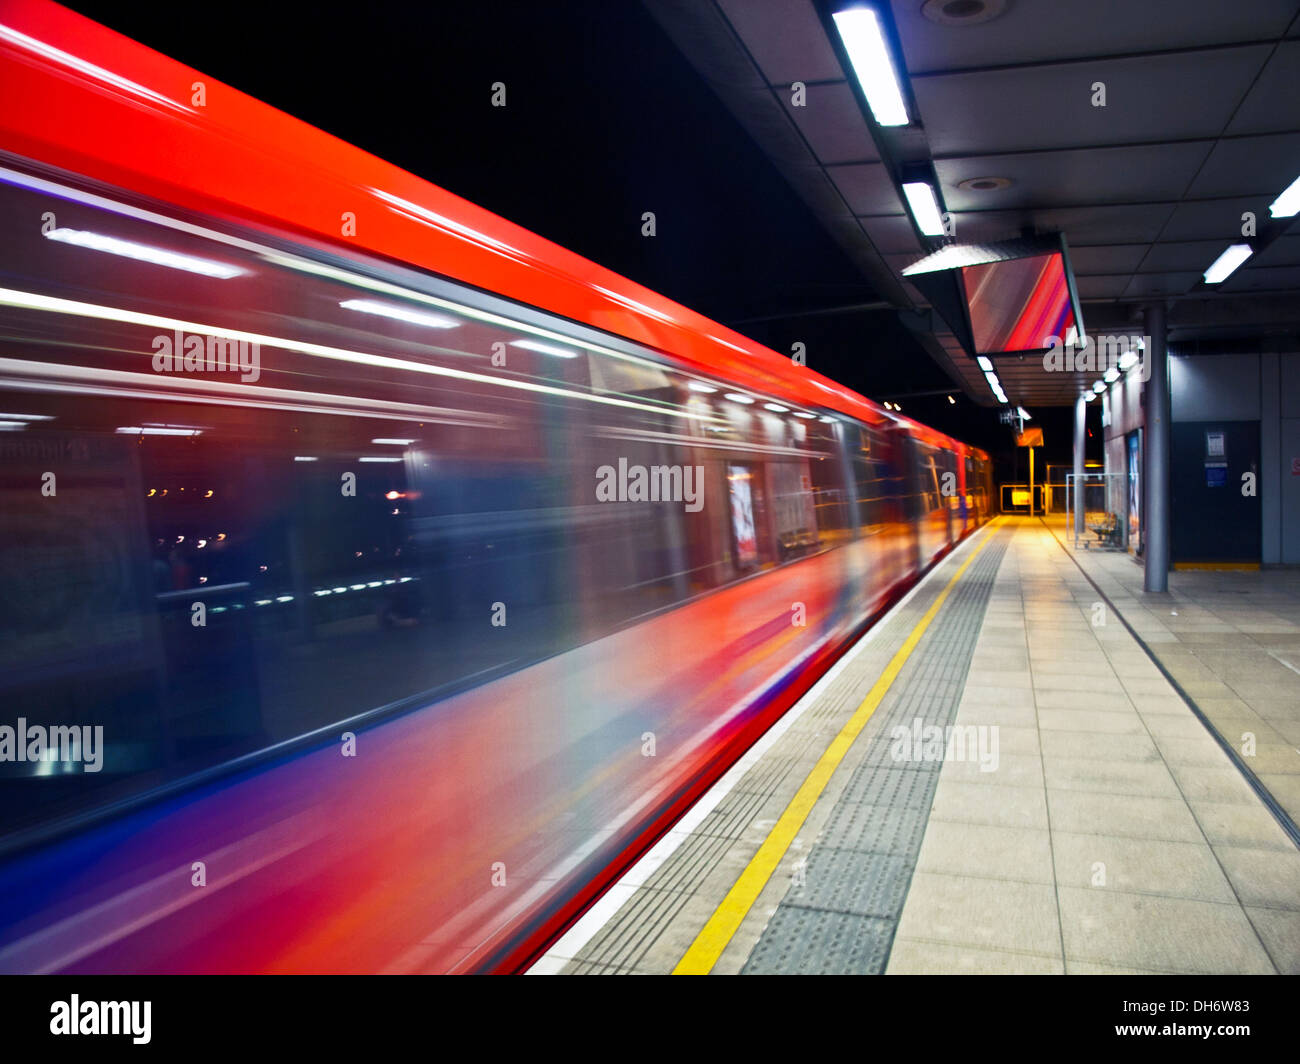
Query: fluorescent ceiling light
pixel 1226 263
pixel 388 310
pixel 1087 398
pixel 1023 413
pixel 144 253
pixel 864 40
pixel 27 417
pixel 986 364
pixel 305 458
pixel 1287 205
pixel 700 386
pixel 826 420
pixel 925 208
pixel 1128 360
pixel 157 430
pixel 546 349
pixel 394 442
pixel 12 426
pixel 376 458
pixel 803 414
pixel 1111 375
pixel 736 397
pixel 992 378
pixel 776 408
pixel 1098 387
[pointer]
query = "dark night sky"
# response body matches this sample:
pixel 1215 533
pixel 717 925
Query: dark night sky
pixel 604 120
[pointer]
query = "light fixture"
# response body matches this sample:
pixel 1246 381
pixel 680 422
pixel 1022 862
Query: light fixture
pixel 1088 397
pixel 992 378
pixel 388 310
pixel 12 426
pixel 144 253
pixel 952 401
pixel 736 397
pixel 962 12
pixel 826 420
pixel 157 430
pixel 1023 413
pixel 1128 360
pixel 393 442
pixel 305 458
pixel 1287 205
pixel 701 387
pixel 1226 263
pixel 864 41
pixel 986 364
pixel 1111 375
pixel 27 417
pixel 546 349
pixel 985 184
pixel 378 458
pixel 776 408
pixel 1099 387
pixel 804 414
pixel 924 207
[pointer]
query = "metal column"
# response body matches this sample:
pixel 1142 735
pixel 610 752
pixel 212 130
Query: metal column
pixel 1155 410
pixel 1080 435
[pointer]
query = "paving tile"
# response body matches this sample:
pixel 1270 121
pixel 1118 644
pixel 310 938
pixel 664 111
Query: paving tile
pixel 1099 745
pixel 1109 777
pixel 1140 866
pixel 985 851
pixel 984 913
pixel 1159 933
pixel 1124 722
pixel 980 803
pixel 1085 812
pixel 1268 878
pixel 916 957
pixel 1279 930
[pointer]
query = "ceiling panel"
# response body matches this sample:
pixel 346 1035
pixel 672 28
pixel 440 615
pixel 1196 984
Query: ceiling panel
pixel 1113 258
pixel 1283 252
pixel 1188 255
pixel 1161 284
pixel 832 123
pixel 1263 279
pixel 1111 287
pixel 1250 166
pixel 1084 176
pixel 1216 219
pixel 867 188
pixel 892 234
pixel 1032 32
pixel 1271 105
pixel 1176 97
pixel 786 39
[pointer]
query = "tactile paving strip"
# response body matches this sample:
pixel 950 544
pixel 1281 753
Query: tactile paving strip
pixel 841 919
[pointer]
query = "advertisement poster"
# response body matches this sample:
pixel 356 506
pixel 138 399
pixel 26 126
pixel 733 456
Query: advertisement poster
pixel 742 516
pixel 1134 491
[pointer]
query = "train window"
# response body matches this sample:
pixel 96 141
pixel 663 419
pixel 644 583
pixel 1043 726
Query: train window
pixel 928 478
pixel 248 544
pixel 871 474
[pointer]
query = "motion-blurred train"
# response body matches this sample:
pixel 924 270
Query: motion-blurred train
pixel 377 579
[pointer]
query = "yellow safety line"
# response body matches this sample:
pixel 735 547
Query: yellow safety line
pixel 727 918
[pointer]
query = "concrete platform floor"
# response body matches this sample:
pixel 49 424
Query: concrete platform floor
pixel 1113 835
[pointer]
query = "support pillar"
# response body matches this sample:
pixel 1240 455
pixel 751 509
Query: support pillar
pixel 1155 410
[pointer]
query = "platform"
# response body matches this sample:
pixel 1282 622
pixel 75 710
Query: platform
pixel 1083 818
